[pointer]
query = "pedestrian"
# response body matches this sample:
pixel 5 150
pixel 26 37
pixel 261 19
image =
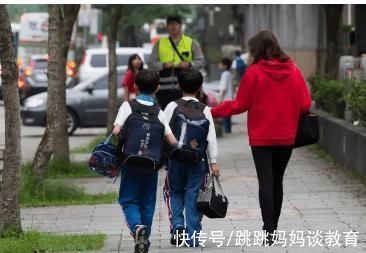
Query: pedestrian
pixel 137 194
pixel 226 88
pixel 170 55
pixel 183 180
pixel 274 93
pixel 135 64
pixel 239 65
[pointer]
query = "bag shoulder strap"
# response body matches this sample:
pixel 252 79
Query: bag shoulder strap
pixel 187 103
pixel 139 108
pixel 176 49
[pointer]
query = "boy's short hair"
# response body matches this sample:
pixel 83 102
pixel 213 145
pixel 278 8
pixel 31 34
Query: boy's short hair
pixel 147 81
pixel 226 62
pixel 190 80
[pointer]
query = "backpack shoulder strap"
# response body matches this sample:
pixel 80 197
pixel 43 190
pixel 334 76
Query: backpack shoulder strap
pixel 201 106
pixel 139 108
pixel 135 106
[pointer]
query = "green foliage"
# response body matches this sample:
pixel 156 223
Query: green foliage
pixel 64 169
pixel 137 15
pixel 55 193
pixel 329 94
pixel 90 146
pixel 16 10
pixel 356 98
pixel 33 241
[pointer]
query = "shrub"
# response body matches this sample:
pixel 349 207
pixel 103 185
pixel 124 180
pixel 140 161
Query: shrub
pixel 328 94
pixel 356 98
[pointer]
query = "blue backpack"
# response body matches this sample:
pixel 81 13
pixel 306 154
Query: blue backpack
pixel 240 66
pixel 142 139
pixel 103 159
pixel 190 127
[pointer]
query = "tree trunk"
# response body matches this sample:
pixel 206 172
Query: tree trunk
pixel 55 138
pixel 333 15
pixel 114 17
pixel 65 26
pixel 10 174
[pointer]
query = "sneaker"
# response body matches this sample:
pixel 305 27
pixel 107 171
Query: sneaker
pixel 173 239
pixel 141 242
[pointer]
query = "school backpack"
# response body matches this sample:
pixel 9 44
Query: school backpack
pixel 240 66
pixel 103 159
pixel 142 139
pixel 190 127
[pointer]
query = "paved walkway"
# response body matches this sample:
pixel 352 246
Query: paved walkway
pixel 318 196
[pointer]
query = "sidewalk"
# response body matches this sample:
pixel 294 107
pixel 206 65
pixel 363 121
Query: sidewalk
pixel 318 196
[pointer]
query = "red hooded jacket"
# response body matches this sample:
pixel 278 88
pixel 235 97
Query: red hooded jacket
pixel 275 95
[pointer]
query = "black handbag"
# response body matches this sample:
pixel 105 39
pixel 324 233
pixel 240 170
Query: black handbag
pixel 211 200
pixel 307 131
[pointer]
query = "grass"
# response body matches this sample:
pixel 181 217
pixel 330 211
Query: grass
pixel 32 241
pixel 90 146
pixel 54 192
pixel 62 169
pixel 322 153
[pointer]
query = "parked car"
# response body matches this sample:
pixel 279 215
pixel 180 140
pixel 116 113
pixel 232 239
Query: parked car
pixel 86 104
pixel 95 60
pixel 33 78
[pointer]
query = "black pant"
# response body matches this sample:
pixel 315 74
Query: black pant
pixel 271 163
pixel 164 97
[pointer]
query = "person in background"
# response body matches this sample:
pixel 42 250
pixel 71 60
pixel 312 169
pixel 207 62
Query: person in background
pixel 274 93
pixel 135 64
pixel 239 65
pixel 170 55
pixel 226 88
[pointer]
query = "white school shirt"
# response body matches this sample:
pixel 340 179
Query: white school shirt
pixel 125 111
pixel 211 137
pixel 226 83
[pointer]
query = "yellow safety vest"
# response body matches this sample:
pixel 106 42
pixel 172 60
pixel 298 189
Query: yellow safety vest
pixel 168 54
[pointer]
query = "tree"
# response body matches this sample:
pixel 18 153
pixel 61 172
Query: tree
pixel 55 137
pixel 68 17
pixel 9 176
pixel 333 16
pixel 114 16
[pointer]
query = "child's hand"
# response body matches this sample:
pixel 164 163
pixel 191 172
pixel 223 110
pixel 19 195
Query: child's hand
pixel 215 169
pixel 116 130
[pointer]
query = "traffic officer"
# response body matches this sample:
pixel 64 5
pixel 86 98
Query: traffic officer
pixel 172 54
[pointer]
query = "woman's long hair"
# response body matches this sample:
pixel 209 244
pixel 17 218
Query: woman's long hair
pixel 264 46
pixel 133 57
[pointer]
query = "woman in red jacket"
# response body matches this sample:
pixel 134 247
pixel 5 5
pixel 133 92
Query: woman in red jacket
pixel 135 64
pixel 274 93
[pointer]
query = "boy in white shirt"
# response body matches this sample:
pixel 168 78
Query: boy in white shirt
pixel 137 195
pixel 226 88
pixel 183 181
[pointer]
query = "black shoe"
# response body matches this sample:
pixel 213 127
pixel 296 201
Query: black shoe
pixel 269 241
pixel 173 238
pixel 141 242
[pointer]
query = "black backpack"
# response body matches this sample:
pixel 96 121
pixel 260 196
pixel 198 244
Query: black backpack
pixel 142 139
pixel 190 127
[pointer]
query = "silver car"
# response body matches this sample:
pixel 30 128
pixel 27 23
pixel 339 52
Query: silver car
pixel 86 103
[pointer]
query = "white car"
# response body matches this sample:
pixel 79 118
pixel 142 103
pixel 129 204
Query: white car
pixel 95 60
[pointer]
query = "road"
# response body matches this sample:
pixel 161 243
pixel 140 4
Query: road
pixel 31 136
